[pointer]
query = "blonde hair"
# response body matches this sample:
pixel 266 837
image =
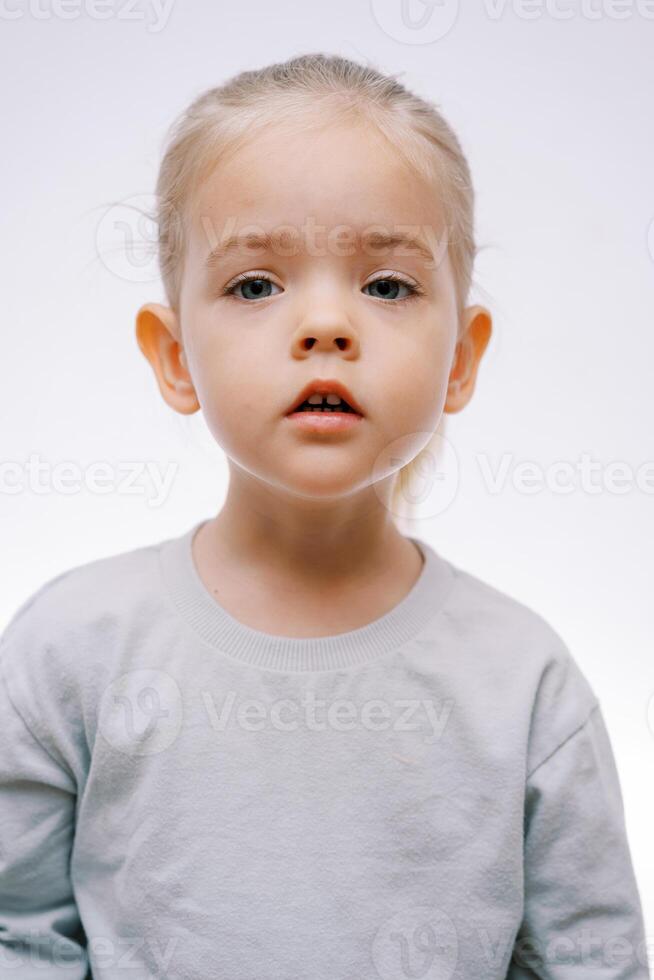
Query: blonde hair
pixel 314 89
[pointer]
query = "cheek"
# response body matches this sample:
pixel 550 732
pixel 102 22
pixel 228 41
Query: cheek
pixel 229 384
pixel 420 387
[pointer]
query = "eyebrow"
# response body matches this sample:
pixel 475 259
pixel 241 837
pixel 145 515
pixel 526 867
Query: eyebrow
pixel 267 242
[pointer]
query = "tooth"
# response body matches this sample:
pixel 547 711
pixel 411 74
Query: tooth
pixel 333 399
pixel 315 399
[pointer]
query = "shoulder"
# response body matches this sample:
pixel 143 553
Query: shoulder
pixel 480 612
pixel 84 597
pixel 66 632
pixel 510 632
pixel 518 653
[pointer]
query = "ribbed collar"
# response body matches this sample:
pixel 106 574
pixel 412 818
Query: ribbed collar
pixel 296 654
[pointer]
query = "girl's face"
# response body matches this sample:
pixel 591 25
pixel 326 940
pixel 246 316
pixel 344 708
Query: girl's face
pixel 327 299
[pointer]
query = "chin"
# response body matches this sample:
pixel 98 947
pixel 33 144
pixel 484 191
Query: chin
pixel 320 486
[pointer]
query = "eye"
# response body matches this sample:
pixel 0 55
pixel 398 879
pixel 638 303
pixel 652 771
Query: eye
pixel 254 283
pixel 389 285
pixel 257 286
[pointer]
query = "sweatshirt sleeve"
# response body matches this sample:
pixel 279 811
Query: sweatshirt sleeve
pixel 582 912
pixel 40 929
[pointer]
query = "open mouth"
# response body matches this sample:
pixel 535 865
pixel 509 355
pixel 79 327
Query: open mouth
pixel 325 403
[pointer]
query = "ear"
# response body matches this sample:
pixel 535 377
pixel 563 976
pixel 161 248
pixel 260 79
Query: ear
pixel 159 337
pixel 474 336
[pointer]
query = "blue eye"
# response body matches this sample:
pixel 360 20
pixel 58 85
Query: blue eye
pixel 256 284
pixel 389 286
pixel 258 287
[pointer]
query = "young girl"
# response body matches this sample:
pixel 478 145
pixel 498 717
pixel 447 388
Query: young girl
pixel 292 742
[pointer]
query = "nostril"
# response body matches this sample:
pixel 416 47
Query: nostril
pixel 341 342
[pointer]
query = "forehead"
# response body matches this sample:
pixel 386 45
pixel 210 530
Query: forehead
pixel 341 176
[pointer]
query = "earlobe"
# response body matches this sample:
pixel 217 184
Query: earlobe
pixel 474 339
pixel 159 338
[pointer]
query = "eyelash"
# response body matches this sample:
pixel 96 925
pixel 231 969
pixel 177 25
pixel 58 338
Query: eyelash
pixel 414 289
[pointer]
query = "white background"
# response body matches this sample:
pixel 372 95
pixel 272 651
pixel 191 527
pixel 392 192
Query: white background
pixel 554 107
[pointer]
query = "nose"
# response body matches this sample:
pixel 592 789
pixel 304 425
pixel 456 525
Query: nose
pixel 326 333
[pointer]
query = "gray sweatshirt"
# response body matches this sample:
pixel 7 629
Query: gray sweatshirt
pixel 430 796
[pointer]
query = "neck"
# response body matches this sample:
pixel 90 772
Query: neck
pixel 326 540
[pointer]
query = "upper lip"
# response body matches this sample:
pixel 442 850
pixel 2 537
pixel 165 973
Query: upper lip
pixel 326 386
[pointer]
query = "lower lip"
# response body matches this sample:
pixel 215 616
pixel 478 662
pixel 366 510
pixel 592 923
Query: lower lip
pixel 325 421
